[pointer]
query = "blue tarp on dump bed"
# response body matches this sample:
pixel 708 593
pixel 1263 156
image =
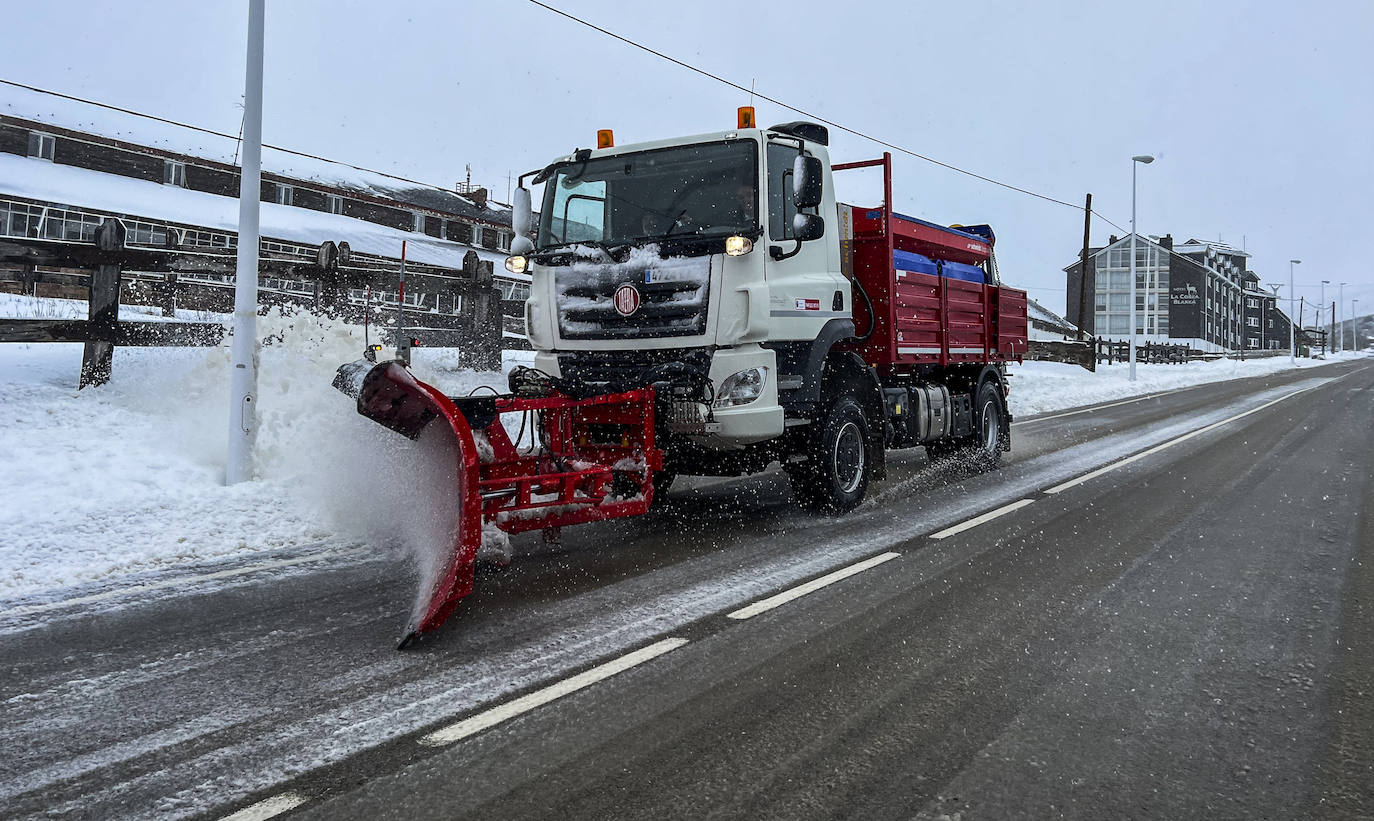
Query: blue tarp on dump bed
pixel 907 261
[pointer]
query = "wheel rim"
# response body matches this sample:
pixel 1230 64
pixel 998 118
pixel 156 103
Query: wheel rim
pixel 991 425
pixel 848 458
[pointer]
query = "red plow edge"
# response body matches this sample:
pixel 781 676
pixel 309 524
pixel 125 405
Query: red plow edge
pixel 590 459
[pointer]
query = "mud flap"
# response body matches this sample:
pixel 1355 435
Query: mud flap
pixel 388 394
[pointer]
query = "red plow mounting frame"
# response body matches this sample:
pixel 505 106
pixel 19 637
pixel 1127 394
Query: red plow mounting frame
pixel 595 460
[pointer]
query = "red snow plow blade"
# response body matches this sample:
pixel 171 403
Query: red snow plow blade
pixel 595 460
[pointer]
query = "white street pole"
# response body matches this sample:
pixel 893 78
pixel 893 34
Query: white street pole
pixel 244 374
pixel 1292 315
pixel 1140 158
pixel 1354 325
pixel 1340 299
pixel 1320 305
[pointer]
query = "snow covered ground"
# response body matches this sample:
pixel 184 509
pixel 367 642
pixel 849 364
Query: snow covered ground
pixel 128 477
pixel 1041 387
pixel 126 480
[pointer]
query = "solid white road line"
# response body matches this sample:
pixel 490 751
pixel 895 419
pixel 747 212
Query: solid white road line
pixel 812 586
pixel 181 581
pixel 496 715
pixel 268 808
pixel 1157 448
pixel 978 520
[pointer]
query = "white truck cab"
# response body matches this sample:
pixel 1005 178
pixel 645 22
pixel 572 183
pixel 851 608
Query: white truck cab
pixel 687 248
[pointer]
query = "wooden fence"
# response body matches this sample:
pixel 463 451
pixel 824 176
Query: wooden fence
pixel 108 271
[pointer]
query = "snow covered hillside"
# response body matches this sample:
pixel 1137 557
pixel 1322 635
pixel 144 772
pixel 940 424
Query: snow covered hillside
pixel 127 479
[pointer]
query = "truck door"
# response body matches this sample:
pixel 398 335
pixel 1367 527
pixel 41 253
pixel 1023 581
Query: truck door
pixel 805 289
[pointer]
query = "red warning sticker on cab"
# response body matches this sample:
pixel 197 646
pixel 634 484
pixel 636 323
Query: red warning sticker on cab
pixel 808 305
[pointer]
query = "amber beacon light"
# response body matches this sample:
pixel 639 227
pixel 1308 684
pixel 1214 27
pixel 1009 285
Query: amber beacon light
pixel 605 138
pixel 746 116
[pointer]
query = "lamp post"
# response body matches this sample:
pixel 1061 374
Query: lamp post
pixel 1146 159
pixel 1321 305
pixel 1340 298
pixel 1354 325
pixel 1292 315
pixel 243 378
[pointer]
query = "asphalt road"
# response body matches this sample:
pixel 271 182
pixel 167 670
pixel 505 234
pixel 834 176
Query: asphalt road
pixel 1188 633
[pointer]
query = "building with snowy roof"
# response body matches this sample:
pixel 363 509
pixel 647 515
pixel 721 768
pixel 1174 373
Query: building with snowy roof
pixel 1197 293
pixel 67 165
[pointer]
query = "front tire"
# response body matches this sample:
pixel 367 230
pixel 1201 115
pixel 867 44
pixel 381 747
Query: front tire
pixel 834 478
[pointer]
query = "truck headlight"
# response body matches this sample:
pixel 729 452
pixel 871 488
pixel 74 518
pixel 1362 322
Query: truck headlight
pixel 738 246
pixel 741 388
pixel 517 264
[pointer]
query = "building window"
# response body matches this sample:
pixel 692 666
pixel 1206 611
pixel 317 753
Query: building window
pixel 286 195
pixel 478 237
pixel 1252 321
pixel 42 146
pixel 503 241
pixel 417 223
pixel 174 173
pixel 333 203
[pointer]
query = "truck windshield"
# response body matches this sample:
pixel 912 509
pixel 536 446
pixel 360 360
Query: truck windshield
pixel 694 190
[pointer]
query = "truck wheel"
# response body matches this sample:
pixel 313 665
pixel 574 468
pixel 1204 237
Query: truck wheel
pixel 982 450
pixel 987 426
pixel 834 477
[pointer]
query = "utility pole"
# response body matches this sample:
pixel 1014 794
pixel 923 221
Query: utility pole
pixel 1302 309
pixel 1083 271
pixel 243 376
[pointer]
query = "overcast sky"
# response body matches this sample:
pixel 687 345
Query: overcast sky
pixel 1260 114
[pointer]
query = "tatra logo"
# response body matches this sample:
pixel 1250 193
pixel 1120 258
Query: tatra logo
pixel 626 299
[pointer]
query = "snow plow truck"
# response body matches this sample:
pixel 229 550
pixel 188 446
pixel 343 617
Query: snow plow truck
pixel 703 305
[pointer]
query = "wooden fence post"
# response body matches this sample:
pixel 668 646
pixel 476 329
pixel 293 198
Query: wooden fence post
pixel 167 294
pixel 103 314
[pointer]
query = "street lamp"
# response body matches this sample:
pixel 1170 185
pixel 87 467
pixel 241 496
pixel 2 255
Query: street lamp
pixel 1354 325
pixel 1321 304
pixel 1146 159
pixel 1292 315
pixel 1340 298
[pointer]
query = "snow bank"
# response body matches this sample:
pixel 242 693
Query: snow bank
pixel 128 477
pixel 1041 387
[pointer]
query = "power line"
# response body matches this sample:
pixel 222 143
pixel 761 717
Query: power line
pixel 212 132
pixel 816 117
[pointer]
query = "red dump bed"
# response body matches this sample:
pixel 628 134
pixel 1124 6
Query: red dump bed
pixel 928 286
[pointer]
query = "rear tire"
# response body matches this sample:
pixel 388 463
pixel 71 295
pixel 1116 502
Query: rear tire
pixel 834 478
pixel 981 450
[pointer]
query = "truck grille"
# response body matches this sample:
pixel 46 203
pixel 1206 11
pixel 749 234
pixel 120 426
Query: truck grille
pixel 586 310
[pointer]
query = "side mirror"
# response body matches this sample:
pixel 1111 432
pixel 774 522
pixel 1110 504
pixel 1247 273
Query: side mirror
pixel 521 212
pixel 806 181
pixel 806 227
pixel 520 219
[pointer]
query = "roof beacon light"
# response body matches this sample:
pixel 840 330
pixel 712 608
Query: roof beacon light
pixel 605 138
pixel 746 116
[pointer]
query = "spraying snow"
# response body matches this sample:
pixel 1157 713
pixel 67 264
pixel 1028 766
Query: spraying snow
pixel 128 477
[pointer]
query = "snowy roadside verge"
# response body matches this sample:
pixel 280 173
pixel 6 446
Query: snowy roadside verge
pixel 1044 387
pixel 122 481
